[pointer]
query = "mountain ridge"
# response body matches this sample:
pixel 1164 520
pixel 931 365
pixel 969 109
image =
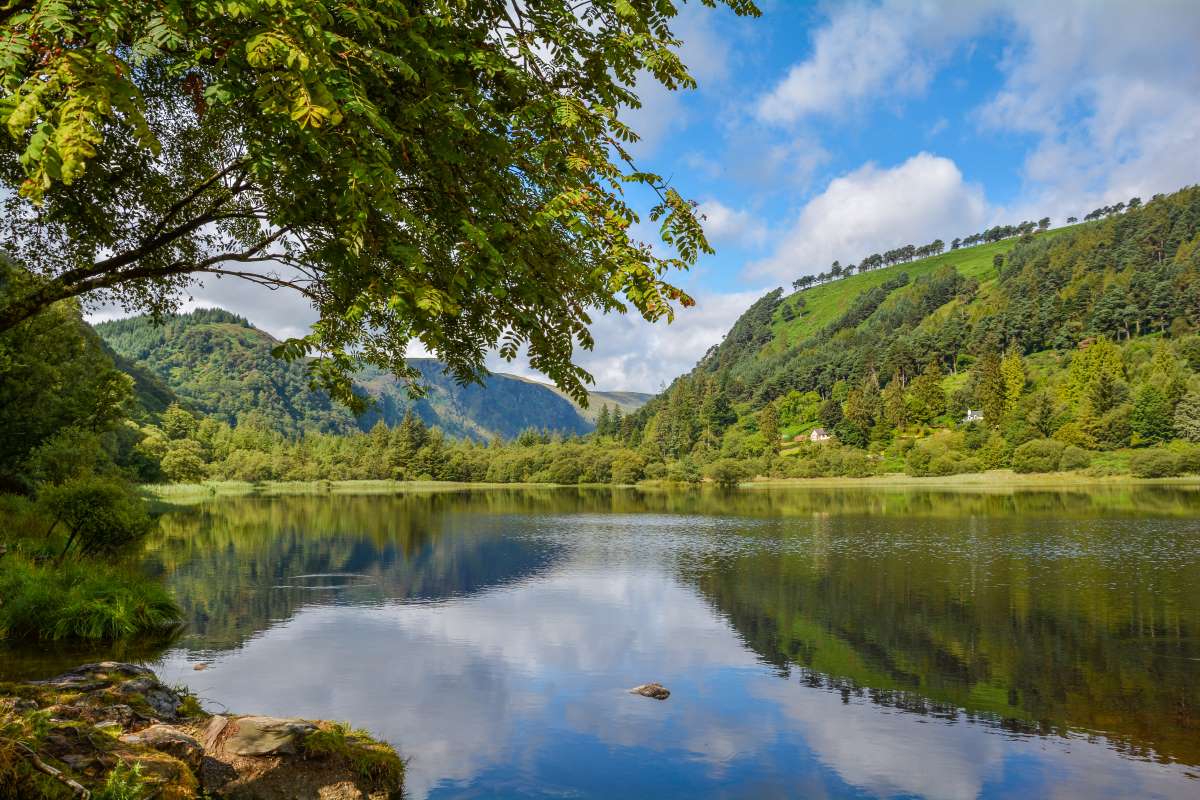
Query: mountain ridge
pixel 219 364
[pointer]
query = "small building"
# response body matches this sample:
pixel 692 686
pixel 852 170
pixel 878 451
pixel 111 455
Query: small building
pixel 819 435
pixel 972 416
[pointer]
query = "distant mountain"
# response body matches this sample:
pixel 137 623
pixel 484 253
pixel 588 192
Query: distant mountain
pixel 218 364
pixel 626 401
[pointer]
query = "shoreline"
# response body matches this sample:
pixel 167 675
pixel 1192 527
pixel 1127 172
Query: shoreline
pixel 112 729
pixel 993 480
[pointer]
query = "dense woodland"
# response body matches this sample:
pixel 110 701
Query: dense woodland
pixel 1077 347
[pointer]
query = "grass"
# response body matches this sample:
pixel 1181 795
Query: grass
pixel 997 479
pixel 82 601
pixel 372 760
pixel 195 492
pixel 825 303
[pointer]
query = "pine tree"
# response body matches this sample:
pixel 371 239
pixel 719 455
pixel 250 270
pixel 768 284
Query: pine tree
pixel 927 392
pixel 1012 369
pixel 768 425
pixel 603 422
pixel 895 405
pixel 1151 418
pixel 990 391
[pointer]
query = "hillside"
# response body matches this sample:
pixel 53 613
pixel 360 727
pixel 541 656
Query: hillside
pixel 219 365
pixel 1083 336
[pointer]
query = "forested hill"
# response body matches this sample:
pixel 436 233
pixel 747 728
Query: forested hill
pixel 219 365
pixel 1084 335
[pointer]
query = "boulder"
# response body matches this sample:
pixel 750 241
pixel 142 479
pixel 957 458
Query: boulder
pixel 171 741
pixel 654 690
pixel 267 736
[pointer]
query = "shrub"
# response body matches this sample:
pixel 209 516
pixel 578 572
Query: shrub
pixel 627 467
pixel 1072 433
pixel 683 471
pixel 727 472
pixel 80 601
pixel 1154 464
pixel 102 516
pixel 1189 460
pixel 1040 455
pixel 1075 458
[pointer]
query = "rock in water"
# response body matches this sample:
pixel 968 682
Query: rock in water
pixel 655 690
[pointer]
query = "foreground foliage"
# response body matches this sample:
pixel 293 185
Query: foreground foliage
pixel 76 600
pixel 450 172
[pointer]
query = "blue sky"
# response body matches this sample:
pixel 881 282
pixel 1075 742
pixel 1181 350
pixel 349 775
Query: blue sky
pixel 832 130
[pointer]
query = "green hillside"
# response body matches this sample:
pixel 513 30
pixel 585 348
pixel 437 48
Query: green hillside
pixel 1077 346
pixel 219 365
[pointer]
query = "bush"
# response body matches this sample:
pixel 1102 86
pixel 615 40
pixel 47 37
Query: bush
pixel 1040 455
pixel 656 470
pixel 1189 460
pixel 1075 458
pixel 102 516
pixel 80 601
pixel 727 472
pixel 683 471
pixel 627 467
pixel 1154 464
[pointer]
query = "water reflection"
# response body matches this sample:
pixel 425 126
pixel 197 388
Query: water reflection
pixel 831 643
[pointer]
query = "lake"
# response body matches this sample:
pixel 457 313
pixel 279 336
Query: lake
pixel 817 643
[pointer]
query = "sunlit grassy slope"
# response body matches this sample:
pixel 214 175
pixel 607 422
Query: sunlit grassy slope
pixel 825 303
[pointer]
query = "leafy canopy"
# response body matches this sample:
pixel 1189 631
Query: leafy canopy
pixel 447 171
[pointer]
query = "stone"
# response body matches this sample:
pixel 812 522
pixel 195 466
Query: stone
pixel 171 741
pixel 212 732
pixel 654 690
pixel 267 736
pixel 163 701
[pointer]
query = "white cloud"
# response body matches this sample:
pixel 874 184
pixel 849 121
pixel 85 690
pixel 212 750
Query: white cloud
pixel 1112 93
pixel 725 225
pixel 873 209
pixel 866 52
pixel 1109 90
pixel 634 355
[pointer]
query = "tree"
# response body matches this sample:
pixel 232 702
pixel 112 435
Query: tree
pixel 768 425
pixel 1187 417
pixel 1151 418
pixel 54 375
pixel 102 516
pixel 183 461
pixel 830 413
pixel 895 405
pixel 453 175
pixel 1042 414
pixel 603 422
pixel 1012 369
pixel 1043 223
pixel 178 423
pixel 990 389
pixel 727 472
pixel 1072 220
pixel 927 393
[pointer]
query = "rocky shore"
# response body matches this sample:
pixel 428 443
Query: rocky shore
pixel 111 731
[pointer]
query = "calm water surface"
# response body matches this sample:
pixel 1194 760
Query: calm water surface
pixel 856 643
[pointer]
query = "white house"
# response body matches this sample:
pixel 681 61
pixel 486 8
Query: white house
pixel 819 435
pixel 973 416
